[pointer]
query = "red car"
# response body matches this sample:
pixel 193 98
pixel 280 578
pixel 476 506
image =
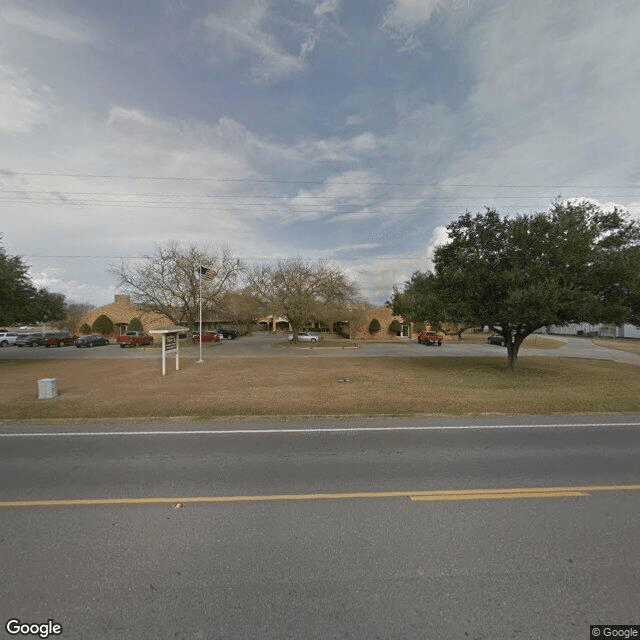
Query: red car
pixel 431 337
pixel 210 336
pixel 134 339
pixel 61 340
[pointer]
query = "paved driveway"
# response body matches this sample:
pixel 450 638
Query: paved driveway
pixel 266 345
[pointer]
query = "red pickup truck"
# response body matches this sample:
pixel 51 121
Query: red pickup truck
pixel 210 336
pixel 431 337
pixel 134 339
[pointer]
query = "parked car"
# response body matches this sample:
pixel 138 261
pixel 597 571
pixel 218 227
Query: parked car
pixel 307 336
pixel 209 336
pixel 91 341
pixel 8 338
pixel 496 338
pixel 228 334
pixel 62 339
pixel 431 337
pixel 32 339
pixel 134 339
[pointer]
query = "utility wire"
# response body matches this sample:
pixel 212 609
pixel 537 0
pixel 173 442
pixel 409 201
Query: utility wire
pixel 57 196
pixel 259 259
pixel 9 173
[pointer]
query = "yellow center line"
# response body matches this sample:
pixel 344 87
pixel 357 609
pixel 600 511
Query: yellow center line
pixel 417 495
pixel 500 496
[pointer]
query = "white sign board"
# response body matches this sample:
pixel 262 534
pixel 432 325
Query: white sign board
pixel 170 344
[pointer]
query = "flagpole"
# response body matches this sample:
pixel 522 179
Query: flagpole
pixel 200 361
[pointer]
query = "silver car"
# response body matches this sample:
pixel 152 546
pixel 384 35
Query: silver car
pixel 307 336
pixel 7 339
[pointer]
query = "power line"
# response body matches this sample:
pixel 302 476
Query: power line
pixel 381 208
pixel 423 207
pixel 9 173
pixel 258 259
pixel 56 195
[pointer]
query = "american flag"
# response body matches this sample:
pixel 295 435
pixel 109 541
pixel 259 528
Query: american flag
pixel 206 274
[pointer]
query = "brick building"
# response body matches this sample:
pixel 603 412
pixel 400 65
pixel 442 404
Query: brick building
pixel 121 311
pixel 385 317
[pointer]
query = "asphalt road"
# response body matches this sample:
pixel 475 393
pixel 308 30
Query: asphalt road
pixel 349 528
pixel 265 345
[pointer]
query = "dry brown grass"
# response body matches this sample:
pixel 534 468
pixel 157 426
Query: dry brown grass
pixel 310 386
pixel 621 344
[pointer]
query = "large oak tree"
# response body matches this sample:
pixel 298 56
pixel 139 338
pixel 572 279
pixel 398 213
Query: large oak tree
pixel 574 263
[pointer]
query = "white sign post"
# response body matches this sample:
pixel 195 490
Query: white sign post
pixel 170 344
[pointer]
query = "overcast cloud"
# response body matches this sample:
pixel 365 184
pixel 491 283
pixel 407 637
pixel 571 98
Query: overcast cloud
pixel 315 128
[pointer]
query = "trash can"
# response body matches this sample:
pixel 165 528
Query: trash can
pixel 47 388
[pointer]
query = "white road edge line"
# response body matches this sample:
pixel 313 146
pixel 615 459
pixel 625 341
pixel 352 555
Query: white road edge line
pixel 222 432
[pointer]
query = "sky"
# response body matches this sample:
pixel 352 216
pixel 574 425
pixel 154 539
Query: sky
pixel 352 131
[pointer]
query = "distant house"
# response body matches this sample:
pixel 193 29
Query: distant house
pixel 384 315
pixel 274 323
pixel 602 330
pixel 122 311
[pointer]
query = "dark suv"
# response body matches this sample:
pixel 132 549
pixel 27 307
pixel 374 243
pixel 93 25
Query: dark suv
pixel 228 334
pixel 32 339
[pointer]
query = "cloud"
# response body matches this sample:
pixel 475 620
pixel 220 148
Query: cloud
pixel 337 149
pixel 376 277
pixel 327 6
pixel 23 105
pixel 354 120
pixel 439 237
pixel 123 115
pixel 559 114
pixel 61 28
pixel 350 190
pixel 407 16
pixel 56 280
pixel 239 31
pixel 307 47
pixel 272 43
pixel 552 111
pixel 151 145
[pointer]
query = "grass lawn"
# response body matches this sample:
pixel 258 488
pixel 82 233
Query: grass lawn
pixel 632 345
pixel 117 388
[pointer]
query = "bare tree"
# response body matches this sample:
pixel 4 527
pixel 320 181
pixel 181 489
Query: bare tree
pixel 302 292
pixel 74 313
pixel 241 307
pixel 166 281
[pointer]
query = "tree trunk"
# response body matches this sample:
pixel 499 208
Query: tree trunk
pixel 512 356
pixel 513 347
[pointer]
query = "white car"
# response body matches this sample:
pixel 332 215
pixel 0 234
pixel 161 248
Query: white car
pixel 7 339
pixel 307 336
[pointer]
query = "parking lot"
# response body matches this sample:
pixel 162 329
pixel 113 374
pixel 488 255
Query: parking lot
pixel 266 345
